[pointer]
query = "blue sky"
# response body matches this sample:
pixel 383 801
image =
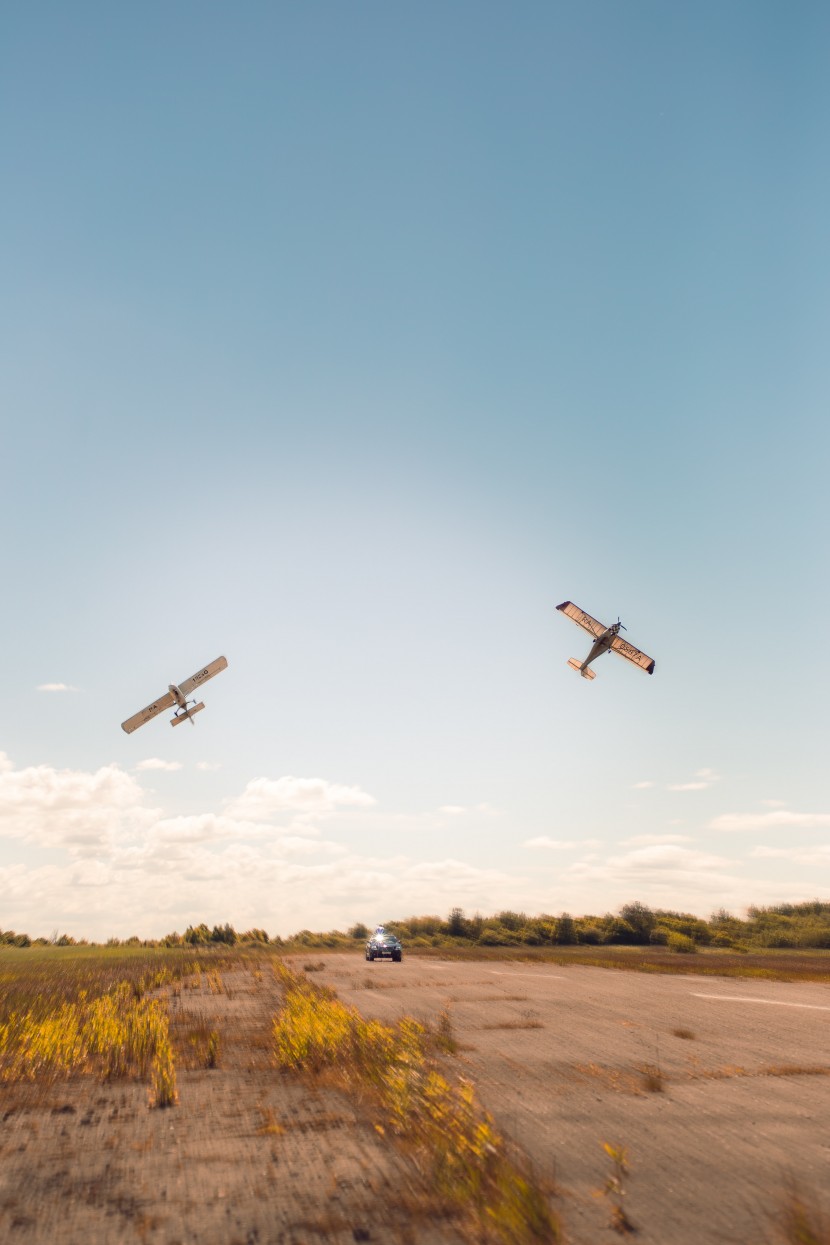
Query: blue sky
pixel 349 340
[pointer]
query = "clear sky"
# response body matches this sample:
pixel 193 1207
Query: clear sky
pixel 347 341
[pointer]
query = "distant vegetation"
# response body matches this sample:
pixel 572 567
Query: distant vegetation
pixel 795 926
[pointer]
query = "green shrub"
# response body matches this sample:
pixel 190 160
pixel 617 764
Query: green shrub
pixel 681 943
pixel 511 920
pixel 492 937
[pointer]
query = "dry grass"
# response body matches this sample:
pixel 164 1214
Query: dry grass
pixel 620 1080
pixel 270 1126
pixel 213 1047
pixel 443 1035
pixel 475 999
pixel 652 1079
pixel 794 1069
pixel 615 1188
pixel 730 1071
pixel 515 1024
pixel 800 1221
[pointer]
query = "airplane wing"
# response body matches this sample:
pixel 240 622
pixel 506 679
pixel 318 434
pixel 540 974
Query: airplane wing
pixel 146 715
pixel 202 676
pixel 581 618
pixel 630 653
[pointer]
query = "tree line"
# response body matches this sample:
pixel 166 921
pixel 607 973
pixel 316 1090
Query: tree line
pixel 789 925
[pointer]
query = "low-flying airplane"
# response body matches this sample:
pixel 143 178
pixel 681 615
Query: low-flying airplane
pixel 177 695
pixel 606 640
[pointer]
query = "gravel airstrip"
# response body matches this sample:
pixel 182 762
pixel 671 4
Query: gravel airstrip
pixel 717 1088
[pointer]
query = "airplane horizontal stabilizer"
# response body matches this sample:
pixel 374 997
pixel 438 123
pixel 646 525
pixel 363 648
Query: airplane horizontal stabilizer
pixel 180 717
pixel 575 664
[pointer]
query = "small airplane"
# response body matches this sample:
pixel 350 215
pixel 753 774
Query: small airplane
pixel 606 640
pixel 177 696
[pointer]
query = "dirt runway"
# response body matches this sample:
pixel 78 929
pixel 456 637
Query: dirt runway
pixel 718 1089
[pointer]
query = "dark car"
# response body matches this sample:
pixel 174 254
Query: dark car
pixel 380 945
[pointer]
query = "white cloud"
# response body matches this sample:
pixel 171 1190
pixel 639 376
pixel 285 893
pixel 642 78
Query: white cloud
pixel 157 763
pixel 265 798
pixel 208 765
pixel 776 820
pixel 663 875
pixel 85 813
pixel 6 763
pixel 816 855
pixel 703 778
pixel 650 840
pixel 667 856
pixel 56 687
pixel 559 845
pixel 641 786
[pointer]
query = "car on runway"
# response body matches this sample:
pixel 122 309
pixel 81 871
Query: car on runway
pixel 383 944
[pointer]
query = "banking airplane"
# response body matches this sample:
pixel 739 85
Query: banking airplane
pixel 177 696
pixel 606 640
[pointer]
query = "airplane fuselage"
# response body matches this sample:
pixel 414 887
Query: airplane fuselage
pixel 601 645
pixel 177 695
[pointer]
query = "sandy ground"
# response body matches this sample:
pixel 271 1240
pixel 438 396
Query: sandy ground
pixel 248 1157
pixel 567 1059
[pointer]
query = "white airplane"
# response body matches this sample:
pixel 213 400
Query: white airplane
pixel 177 696
pixel 606 640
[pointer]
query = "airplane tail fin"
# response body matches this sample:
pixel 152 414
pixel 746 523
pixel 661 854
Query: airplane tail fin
pixel 587 673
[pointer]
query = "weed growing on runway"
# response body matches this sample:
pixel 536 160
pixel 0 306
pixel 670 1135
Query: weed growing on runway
pixel 614 1187
pixel 444 1033
pixel 445 1123
pixel 653 1080
pixel 212 1056
pixel 214 980
pixel 515 1024
pixel 799 1222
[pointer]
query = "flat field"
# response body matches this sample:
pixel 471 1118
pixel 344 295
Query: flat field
pixel 716 1088
pixel 680 1106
